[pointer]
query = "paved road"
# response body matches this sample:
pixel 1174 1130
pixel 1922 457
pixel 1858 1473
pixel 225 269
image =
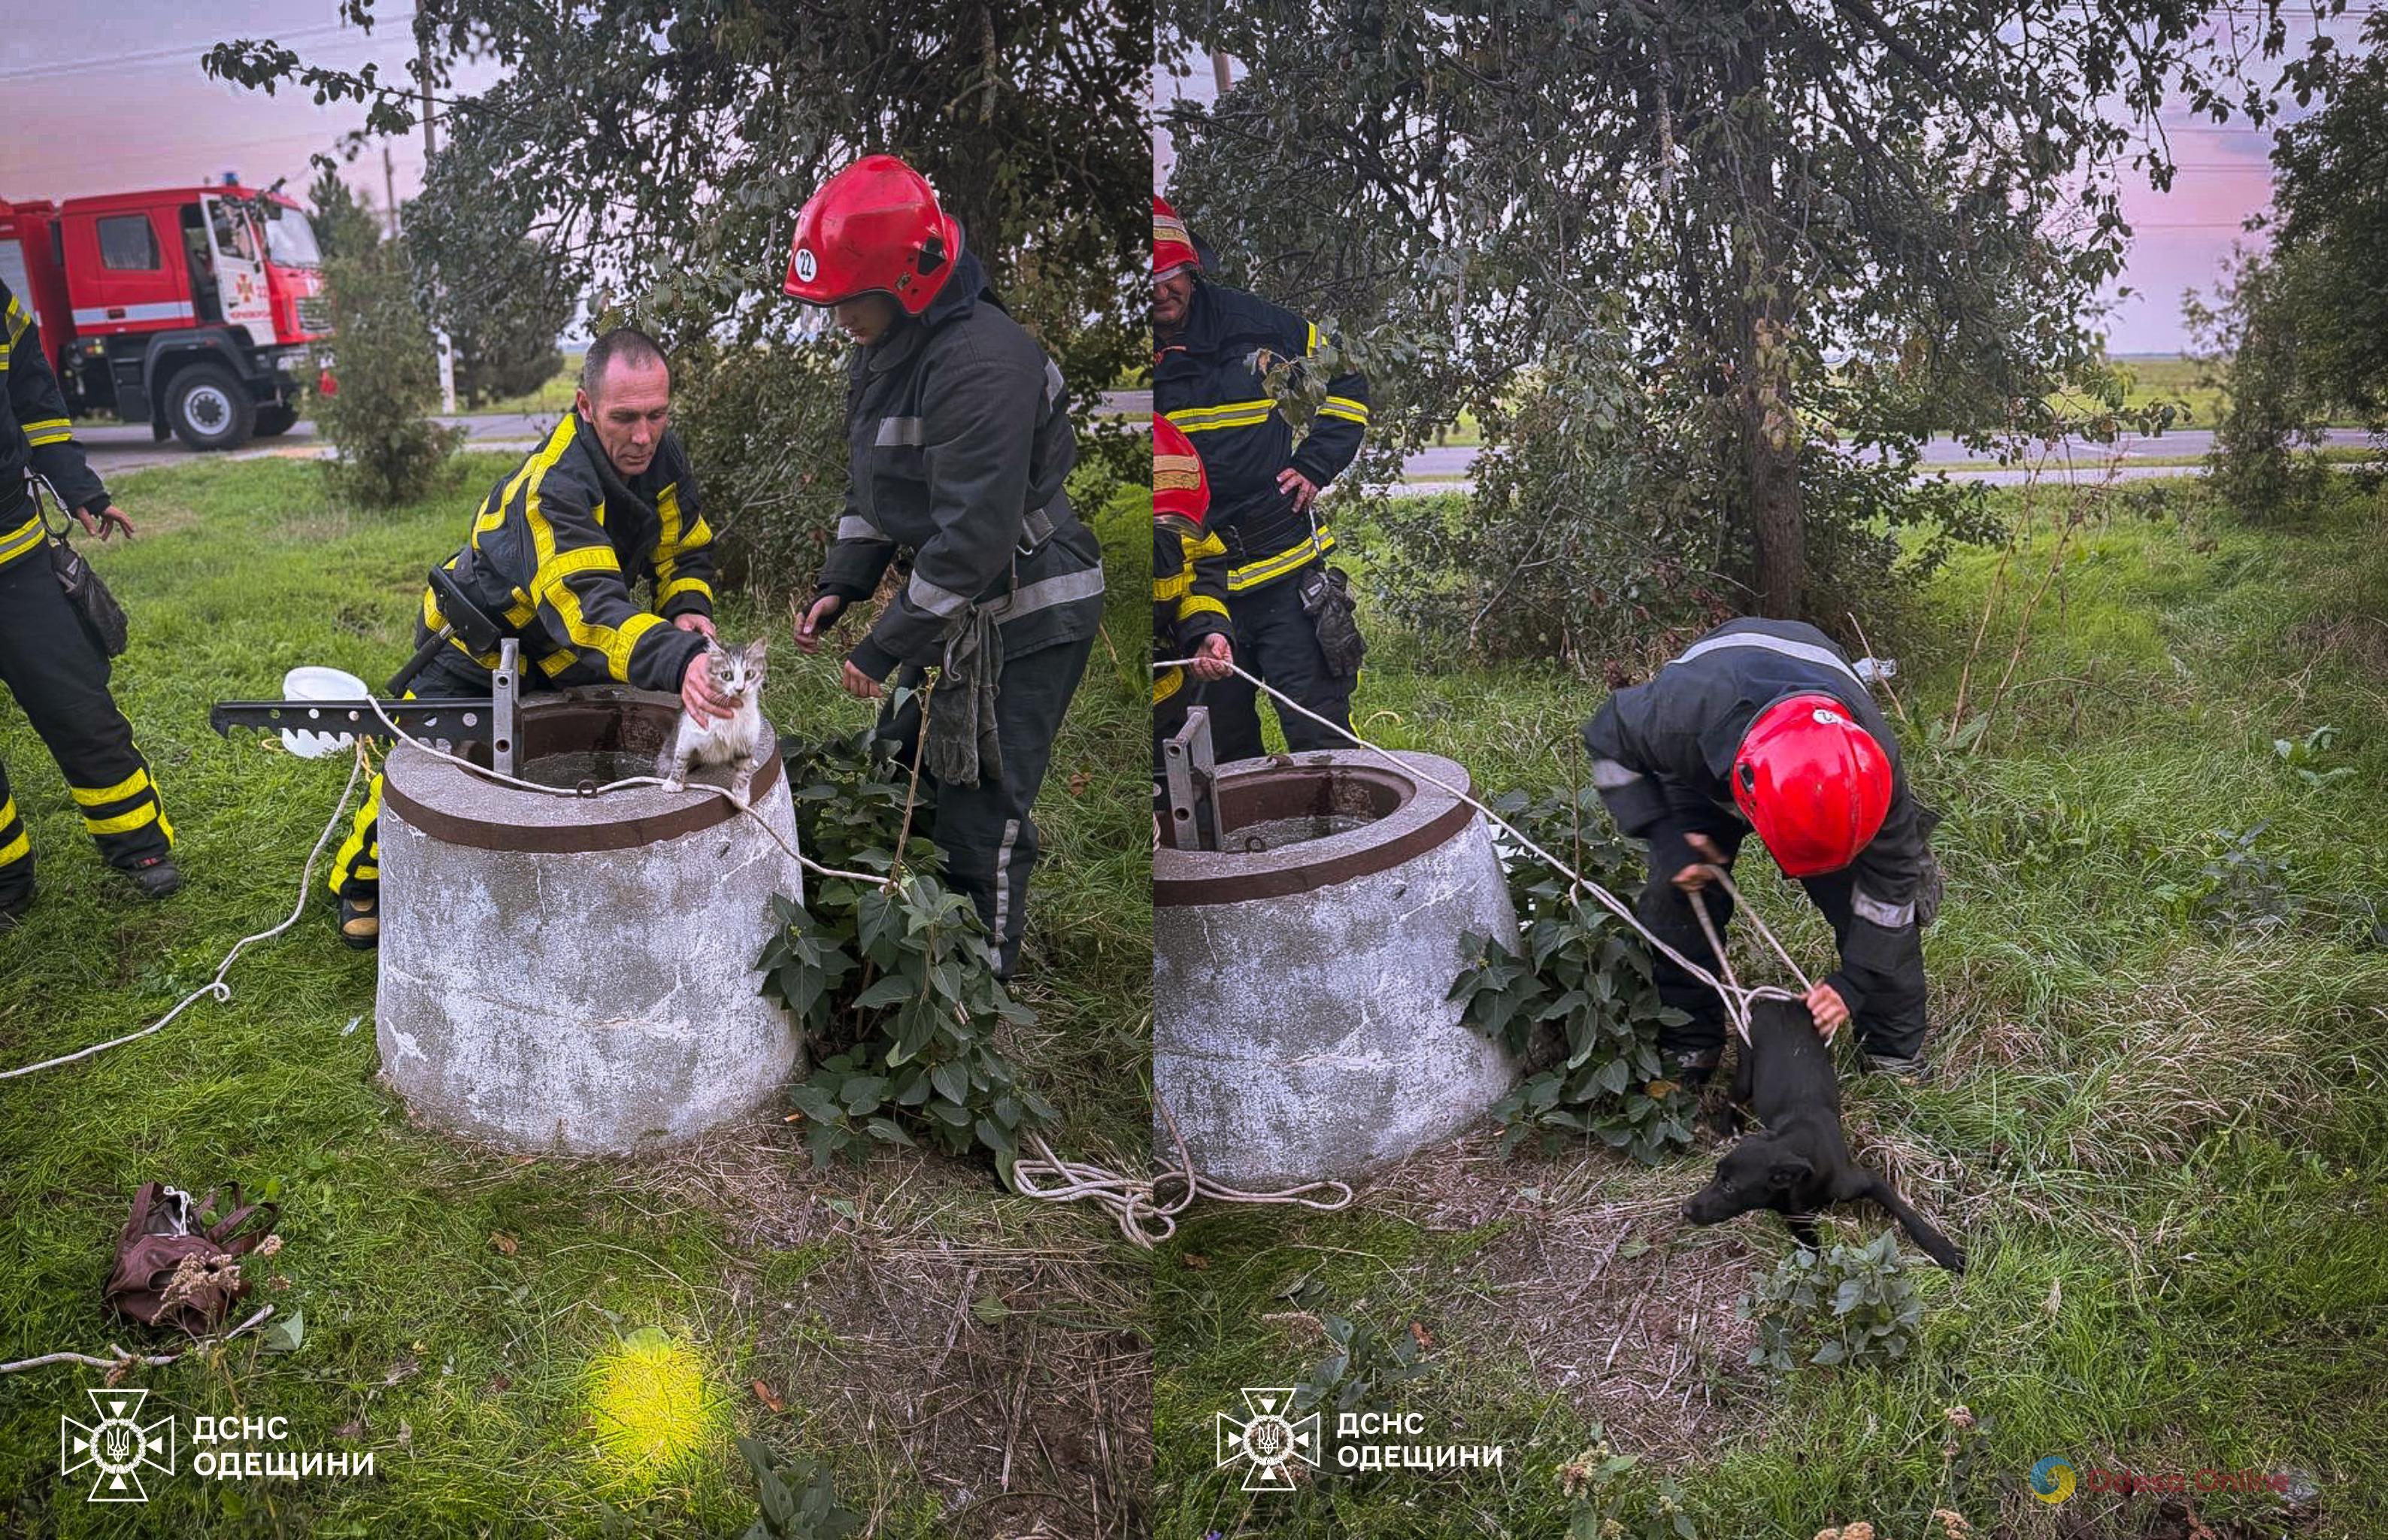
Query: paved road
pixel 114 447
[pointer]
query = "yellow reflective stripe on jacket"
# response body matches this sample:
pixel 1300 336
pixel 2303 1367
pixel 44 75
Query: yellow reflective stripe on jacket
pixel 25 538
pixel 1271 567
pixel 1166 683
pixel 49 430
pixel 18 322
pixel 124 823
pixel 675 542
pixel 678 586
pixel 1345 407
pixel 1200 419
pixel 1310 342
pixel 1202 604
pixel 547 585
pixel 1175 585
pixel 17 849
pixel 100 795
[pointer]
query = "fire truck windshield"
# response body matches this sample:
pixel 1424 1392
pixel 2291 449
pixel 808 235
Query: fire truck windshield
pixel 289 240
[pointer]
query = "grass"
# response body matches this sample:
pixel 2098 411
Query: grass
pixel 2161 1126
pixel 554 399
pixel 474 1319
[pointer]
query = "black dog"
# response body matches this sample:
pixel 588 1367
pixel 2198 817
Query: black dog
pixel 1800 1162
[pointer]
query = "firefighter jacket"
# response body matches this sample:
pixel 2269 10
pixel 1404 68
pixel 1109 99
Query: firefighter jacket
pixel 35 435
pixel 1210 380
pixel 1189 602
pixel 958 442
pixel 1663 753
pixel 556 547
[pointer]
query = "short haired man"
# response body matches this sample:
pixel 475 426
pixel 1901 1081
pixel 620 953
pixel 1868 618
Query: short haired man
pixel 608 501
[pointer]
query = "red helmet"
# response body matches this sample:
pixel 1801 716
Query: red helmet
pixel 873 228
pixel 1812 782
pixel 1181 491
pixel 1172 248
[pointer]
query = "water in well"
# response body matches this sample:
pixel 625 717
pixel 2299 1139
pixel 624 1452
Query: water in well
pixel 1274 832
pixel 602 766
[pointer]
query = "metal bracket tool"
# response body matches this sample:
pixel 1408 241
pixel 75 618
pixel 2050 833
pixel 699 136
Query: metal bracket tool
pixel 1190 778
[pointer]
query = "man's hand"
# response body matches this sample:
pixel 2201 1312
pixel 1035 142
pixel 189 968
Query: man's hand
pixel 1825 1004
pixel 820 618
pixel 1215 659
pixel 697 692
pixel 694 622
pixel 1304 490
pixel 861 686
pixel 105 523
pixel 1697 876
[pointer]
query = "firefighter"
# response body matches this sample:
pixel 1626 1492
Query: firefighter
pixel 958 442
pixel 1765 725
pixel 1189 583
pixel 607 500
pixel 1213 347
pixel 56 672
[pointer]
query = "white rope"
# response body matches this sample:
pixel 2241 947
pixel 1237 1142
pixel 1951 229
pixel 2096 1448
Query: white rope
pixel 1144 1219
pixel 217 986
pixel 1736 998
pixel 124 1360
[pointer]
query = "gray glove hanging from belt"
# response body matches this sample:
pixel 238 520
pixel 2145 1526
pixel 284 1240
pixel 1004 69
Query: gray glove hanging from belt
pixel 960 742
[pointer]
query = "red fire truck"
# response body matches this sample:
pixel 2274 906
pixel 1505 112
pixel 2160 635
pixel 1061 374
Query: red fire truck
pixel 195 310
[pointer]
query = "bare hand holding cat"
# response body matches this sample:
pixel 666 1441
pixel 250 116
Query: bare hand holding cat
pixel 697 694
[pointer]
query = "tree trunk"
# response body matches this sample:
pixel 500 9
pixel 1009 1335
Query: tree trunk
pixel 1769 432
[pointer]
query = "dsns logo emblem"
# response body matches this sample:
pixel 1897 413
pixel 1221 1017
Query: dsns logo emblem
pixel 806 265
pixel 2052 1480
pixel 117 1444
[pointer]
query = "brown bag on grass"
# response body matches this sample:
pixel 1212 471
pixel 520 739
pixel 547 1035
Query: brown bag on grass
pixel 178 1264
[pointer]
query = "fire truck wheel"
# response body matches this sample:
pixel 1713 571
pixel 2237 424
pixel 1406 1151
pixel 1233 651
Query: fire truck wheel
pixel 210 408
pixel 273 417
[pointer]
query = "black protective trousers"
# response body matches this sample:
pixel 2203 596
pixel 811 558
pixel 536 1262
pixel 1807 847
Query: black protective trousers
pixel 986 832
pixel 1276 640
pixel 1890 1022
pixel 59 679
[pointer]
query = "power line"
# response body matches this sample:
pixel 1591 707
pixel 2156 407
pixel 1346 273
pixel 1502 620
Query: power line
pixel 179 52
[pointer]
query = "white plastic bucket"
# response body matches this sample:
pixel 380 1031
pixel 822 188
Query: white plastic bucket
pixel 307 683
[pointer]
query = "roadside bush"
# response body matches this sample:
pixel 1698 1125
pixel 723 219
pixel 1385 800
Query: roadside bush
pixel 1583 976
pixel 389 378
pixel 765 425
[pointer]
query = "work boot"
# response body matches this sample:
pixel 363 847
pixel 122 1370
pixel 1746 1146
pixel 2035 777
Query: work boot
pixel 155 876
pixel 361 922
pixel 12 907
pixel 1912 1070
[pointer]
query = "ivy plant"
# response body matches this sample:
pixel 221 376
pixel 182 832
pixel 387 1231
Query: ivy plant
pixel 1852 1304
pixel 1576 998
pixel 894 985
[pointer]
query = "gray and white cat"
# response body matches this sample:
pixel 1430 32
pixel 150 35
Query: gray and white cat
pixel 742 740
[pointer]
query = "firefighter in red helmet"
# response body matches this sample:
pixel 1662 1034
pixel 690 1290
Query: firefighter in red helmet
pixel 1189 583
pixel 1764 726
pixel 958 440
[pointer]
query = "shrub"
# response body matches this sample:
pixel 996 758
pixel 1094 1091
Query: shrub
pixel 1854 1305
pixel 388 377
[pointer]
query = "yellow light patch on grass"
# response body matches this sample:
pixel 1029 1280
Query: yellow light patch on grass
pixel 653 1409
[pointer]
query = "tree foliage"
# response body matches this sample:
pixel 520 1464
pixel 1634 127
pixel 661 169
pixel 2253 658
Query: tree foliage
pixel 2298 332
pixel 344 223
pixel 389 379
pixel 1725 235
pixel 500 296
pixel 660 150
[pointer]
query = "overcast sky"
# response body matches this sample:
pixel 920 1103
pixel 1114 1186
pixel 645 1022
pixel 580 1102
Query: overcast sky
pixel 109 97
pixel 2181 237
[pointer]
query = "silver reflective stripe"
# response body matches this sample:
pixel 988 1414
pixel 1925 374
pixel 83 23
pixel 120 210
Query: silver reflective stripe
pixel 1052 382
pixel 1069 588
pixel 1805 651
pixel 854 527
pixel 939 602
pixel 1003 879
pixel 1890 917
pixel 102 315
pixel 1607 775
pixel 898 430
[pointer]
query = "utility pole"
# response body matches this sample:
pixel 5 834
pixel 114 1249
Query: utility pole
pixel 1219 69
pixel 388 192
pixel 431 148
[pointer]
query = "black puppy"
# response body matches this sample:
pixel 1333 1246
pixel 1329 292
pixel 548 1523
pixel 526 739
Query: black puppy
pixel 1800 1162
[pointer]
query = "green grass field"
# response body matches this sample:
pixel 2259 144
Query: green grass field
pixel 2160 1125
pixel 953 1350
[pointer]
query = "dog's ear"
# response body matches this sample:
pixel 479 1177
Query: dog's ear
pixel 1789 1171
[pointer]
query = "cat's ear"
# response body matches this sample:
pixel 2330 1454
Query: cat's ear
pixel 755 651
